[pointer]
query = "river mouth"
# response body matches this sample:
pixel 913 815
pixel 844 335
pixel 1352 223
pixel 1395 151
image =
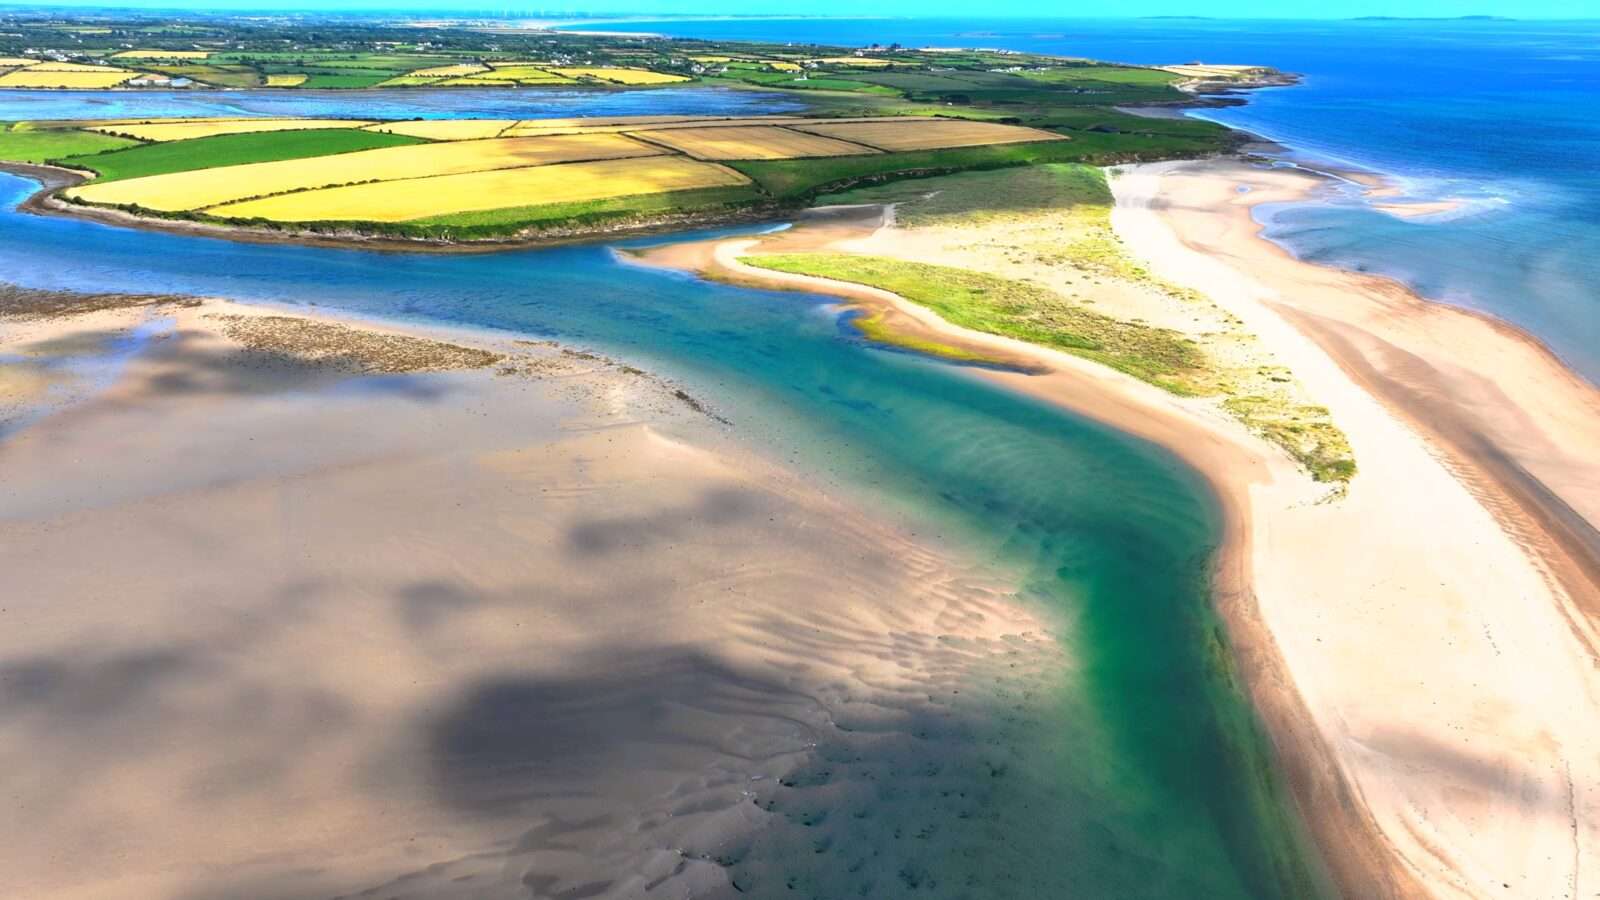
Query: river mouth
pixel 1138 770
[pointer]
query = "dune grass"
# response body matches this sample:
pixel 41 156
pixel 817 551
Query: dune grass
pixel 1017 310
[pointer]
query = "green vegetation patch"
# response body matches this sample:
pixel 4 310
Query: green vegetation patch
pixel 21 144
pixel 1306 432
pixel 974 197
pixel 800 178
pixel 1014 309
pixel 231 150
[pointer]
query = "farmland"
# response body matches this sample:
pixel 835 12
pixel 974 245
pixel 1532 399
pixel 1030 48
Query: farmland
pixel 893 134
pixel 485 178
pixel 869 115
pixel 186 130
pixel 751 142
pixel 398 201
pixel 288 56
pixel 208 187
pixel 142 160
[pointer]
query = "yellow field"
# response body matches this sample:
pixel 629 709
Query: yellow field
pixel 448 129
pixel 201 188
pixel 525 74
pixel 182 131
pixel 455 70
pixel 712 59
pixel 72 67
pixel 750 142
pixel 591 124
pixel 621 76
pixel 865 62
pixel 285 80
pixel 516 63
pixel 13 62
pixel 31 78
pixel 782 66
pixel 927 134
pixel 399 201
pixel 161 54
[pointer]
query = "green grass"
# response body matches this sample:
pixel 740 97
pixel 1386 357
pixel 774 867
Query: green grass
pixel 329 80
pixel 43 145
pixel 792 179
pixel 976 196
pixel 1123 75
pixel 231 150
pixel 1306 432
pixel 1017 310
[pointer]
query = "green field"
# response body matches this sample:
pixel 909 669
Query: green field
pixel 1013 309
pixel 796 179
pixel 231 150
pixel 38 146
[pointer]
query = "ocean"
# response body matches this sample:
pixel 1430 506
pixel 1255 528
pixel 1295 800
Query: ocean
pixel 1502 115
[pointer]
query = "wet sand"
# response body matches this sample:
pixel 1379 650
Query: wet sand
pixel 298 607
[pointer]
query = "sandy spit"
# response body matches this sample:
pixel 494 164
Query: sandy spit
pixel 1422 648
pixel 1439 620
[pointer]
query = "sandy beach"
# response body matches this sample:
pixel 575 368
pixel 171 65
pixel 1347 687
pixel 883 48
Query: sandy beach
pixel 276 584
pixel 1439 620
pixel 1421 646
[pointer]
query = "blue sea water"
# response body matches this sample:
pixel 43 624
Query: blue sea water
pixel 1503 115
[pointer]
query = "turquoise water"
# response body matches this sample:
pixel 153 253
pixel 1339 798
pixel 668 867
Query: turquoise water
pixel 1140 777
pixel 1504 115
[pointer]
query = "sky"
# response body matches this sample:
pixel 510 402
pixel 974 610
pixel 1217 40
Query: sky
pixel 1267 9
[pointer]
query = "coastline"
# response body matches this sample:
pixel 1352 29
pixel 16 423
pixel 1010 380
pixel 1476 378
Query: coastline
pixel 1388 824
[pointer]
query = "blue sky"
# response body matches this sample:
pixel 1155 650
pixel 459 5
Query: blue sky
pixel 1270 9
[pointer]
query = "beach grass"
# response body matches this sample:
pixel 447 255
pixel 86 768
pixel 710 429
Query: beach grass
pixel 1014 309
pixel 1057 217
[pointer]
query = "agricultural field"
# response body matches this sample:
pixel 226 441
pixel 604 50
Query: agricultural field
pixel 629 77
pixel 317 173
pixel 395 201
pixel 927 134
pixel 21 143
pixel 66 76
pixel 203 188
pixel 161 54
pixel 447 129
pixel 751 142
pixel 184 130
pixel 130 160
